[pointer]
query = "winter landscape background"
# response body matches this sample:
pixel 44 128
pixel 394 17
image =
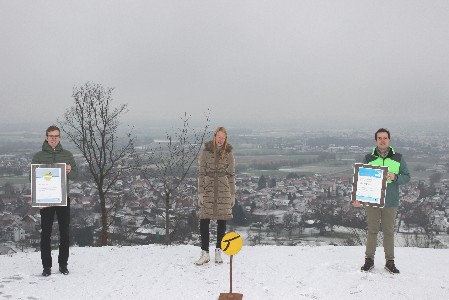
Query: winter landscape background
pixel 300 85
pixel 312 269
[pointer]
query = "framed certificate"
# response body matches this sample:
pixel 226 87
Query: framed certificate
pixel 48 185
pixel 370 184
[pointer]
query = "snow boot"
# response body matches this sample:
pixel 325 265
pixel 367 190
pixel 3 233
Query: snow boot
pixel 203 259
pixel 218 259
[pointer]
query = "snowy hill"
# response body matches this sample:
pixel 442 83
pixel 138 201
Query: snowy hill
pixel 259 272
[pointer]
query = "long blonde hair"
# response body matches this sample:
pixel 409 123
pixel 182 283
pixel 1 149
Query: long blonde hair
pixel 223 149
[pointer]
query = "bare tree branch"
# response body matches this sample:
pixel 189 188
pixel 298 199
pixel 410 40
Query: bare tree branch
pixel 92 124
pixel 171 161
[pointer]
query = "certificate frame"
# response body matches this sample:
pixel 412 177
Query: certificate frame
pixel 48 185
pixel 370 184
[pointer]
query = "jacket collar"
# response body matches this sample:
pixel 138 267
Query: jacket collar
pixel 209 146
pixel 390 153
pixel 46 148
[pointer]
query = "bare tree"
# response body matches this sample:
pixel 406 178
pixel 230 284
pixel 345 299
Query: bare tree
pixel 92 124
pixel 288 224
pixel 170 161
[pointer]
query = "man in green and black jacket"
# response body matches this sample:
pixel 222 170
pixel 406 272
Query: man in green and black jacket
pixel 384 155
pixel 52 152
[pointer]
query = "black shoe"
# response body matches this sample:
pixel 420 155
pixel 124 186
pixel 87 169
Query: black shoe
pixel 390 267
pixel 63 270
pixel 368 266
pixel 46 272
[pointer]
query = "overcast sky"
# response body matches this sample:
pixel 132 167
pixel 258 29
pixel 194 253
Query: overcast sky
pixel 260 62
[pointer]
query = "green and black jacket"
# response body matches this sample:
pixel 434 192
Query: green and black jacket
pixel 396 164
pixel 48 155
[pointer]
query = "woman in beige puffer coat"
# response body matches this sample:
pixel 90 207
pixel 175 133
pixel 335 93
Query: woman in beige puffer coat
pixel 216 190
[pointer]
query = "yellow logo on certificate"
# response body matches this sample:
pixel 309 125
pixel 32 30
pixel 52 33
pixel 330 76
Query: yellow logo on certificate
pixel 48 176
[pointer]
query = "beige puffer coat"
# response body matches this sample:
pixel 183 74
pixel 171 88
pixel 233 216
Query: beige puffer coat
pixel 216 183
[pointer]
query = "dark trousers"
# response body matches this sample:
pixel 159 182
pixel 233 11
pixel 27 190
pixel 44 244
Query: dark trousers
pixel 205 235
pixel 47 217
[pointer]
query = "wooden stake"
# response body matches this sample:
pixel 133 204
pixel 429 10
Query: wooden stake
pixel 226 296
pixel 230 281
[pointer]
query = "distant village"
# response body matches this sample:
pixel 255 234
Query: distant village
pixel 276 204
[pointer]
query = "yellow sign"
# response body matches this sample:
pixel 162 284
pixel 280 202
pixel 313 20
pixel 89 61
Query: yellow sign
pixel 231 243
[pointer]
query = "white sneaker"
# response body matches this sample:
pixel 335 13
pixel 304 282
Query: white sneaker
pixel 218 259
pixel 203 259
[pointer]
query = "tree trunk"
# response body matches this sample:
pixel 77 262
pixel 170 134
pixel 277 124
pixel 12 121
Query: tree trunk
pixel 400 222
pixel 167 219
pixel 104 220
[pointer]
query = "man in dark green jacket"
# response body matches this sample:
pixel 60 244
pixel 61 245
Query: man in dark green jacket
pixel 384 155
pixel 52 152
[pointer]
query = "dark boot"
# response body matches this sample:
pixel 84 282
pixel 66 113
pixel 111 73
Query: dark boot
pixel 390 267
pixel 63 270
pixel 46 272
pixel 368 266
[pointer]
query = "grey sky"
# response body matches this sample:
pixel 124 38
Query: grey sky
pixel 245 60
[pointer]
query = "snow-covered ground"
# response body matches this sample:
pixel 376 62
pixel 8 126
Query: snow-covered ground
pixel 259 272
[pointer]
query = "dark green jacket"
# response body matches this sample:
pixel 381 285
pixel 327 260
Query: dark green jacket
pixel 58 155
pixel 396 164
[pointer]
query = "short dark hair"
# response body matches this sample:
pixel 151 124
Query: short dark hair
pixel 381 130
pixel 52 128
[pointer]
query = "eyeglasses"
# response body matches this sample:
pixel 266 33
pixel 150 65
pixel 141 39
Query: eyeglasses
pixel 53 136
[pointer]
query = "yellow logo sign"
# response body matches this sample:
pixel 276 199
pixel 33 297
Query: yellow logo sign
pixel 231 243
